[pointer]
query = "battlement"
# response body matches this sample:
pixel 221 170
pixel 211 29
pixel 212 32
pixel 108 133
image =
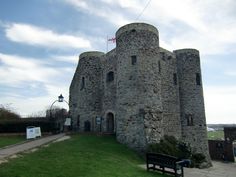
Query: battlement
pixel 137 27
pixel 91 54
pixel 186 50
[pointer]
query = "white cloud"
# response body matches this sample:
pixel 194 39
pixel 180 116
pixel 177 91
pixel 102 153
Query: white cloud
pixel 65 58
pixel 22 72
pixel 209 26
pixel 220 104
pixel 111 14
pixel 33 35
pixel 19 69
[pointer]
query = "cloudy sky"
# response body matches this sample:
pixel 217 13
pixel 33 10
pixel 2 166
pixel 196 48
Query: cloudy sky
pixel 40 41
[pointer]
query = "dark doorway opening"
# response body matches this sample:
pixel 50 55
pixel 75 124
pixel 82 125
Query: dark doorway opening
pixel 87 126
pixel 110 123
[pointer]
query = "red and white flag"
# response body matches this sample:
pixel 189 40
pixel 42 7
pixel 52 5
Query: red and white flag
pixel 113 40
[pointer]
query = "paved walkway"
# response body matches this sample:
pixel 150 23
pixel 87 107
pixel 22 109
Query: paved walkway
pixel 14 149
pixel 219 169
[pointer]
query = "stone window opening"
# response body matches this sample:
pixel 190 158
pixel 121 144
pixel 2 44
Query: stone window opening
pixel 189 118
pixel 159 66
pixel 82 85
pixel 133 59
pixel 175 78
pixel 110 76
pixel 198 79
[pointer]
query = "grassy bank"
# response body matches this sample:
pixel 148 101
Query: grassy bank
pixel 216 135
pixel 9 140
pixel 81 156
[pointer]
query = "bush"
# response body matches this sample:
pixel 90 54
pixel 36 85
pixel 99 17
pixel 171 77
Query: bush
pixel 7 114
pixel 171 146
pixel 197 159
pixel 20 126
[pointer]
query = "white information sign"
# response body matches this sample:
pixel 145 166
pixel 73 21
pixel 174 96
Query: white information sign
pixel 33 132
pixel 68 122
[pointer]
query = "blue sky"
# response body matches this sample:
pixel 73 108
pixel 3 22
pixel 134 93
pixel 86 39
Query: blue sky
pixel 40 41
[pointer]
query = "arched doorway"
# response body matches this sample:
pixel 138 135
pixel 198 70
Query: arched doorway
pixel 110 123
pixel 87 126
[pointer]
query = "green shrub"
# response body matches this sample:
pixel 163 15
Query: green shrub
pixel 171 146
pixel 197 159
pixel 7 114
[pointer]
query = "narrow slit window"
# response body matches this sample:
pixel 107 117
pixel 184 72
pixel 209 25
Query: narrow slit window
pixel 198 79
pixel 82 83
pixel 189 118
pixel 159 66
pixel 175 78
pixel 134 59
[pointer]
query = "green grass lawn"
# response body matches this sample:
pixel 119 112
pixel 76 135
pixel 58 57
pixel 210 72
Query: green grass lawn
pixel 80 156
pixel 9 140
pixel 216 135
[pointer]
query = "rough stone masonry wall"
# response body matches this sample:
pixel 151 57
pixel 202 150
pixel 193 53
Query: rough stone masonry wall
pixel 138 86
pixel 170 94
pixel 108 87
pixel 86 97
pixel 191 101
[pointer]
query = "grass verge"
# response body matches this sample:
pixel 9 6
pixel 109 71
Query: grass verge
pixel 9 140
pixel 216 135
pixel 80 156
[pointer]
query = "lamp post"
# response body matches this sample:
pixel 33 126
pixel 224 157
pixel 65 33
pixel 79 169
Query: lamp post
pixel 60 99
pixel 58 121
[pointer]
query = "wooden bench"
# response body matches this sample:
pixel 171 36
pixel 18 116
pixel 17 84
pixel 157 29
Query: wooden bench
pixel 160 162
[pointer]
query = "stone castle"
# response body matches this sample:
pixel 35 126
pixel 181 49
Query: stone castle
pixel 140 91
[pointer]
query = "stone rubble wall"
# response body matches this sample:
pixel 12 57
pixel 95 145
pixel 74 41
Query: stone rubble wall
pixel 86 102
pixel 152 94
pixel 192 101
pixel 139 84
pixel 108 88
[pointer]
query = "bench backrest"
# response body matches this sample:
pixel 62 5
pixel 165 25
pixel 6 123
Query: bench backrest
pixel 161 159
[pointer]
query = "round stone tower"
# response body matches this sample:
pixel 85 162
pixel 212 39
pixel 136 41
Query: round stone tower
pixel 86 91
pixel 138 105
pixel 192 109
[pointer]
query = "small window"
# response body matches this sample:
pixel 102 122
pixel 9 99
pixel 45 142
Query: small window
pixel 189 118
pixel 175 78
pixel 110 76
pixel 159 66
pixel 198 79
pixel 82 84
pixel 133 59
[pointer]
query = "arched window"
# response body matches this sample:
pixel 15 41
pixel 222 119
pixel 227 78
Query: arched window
pixel 110 122
pixel 110 76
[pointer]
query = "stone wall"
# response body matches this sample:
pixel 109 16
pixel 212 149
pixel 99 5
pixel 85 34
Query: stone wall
pixel 191 100
pixel 85 104
pixel 170 94
pixel 108 87
pixel 138 82
pixel 144 89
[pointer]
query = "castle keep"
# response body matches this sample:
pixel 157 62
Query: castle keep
pixel 140 91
